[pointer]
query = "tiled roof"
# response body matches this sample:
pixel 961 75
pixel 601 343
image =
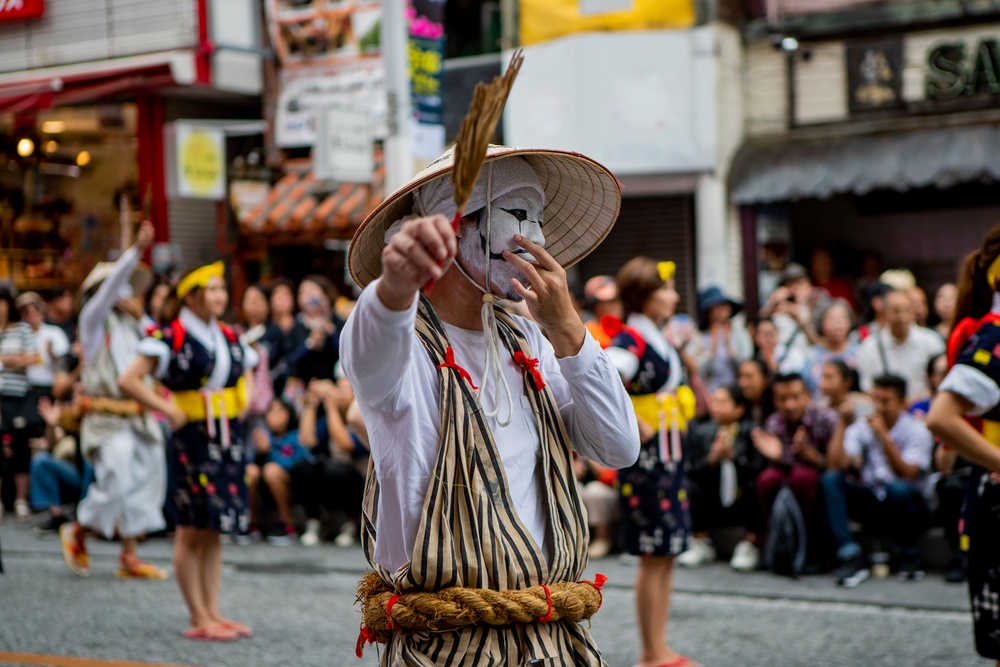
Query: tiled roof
pixel 298 203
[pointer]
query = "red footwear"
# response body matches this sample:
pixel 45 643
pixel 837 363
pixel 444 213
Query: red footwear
pixel 211 633
pixel 130 567
pixel 238 628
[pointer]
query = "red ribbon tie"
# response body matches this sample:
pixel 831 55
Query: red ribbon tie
pixel 449 356
pixel 548 600
pixel 388 610
pixel 365 636
pixel 530 366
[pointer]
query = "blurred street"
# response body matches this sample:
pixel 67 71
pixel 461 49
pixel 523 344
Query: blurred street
pixel 300 604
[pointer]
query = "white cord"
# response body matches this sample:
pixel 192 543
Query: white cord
pixel 492 365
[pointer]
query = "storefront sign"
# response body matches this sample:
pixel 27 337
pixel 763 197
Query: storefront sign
pixel 315 32
pixel 874 75
pixel 345 151
pixel 201 162
pixel 350 85
pixel 426 67
pixel 959 69
pixel 16 10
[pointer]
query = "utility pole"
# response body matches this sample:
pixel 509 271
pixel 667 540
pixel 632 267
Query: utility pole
pixel 396 54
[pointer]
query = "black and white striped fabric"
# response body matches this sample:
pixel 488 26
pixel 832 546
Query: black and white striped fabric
pixel 16 339
pixel 469 535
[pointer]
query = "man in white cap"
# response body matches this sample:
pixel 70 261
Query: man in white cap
pixel 124 443
pixel 472 414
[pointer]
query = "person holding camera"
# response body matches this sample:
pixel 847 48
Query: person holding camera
pixel 877 468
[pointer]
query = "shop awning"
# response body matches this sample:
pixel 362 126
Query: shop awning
pixel 776 172
pixel 298 205
pixel 71 84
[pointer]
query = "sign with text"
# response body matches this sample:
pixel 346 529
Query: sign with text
pixel 874 75
pixel 344 151
pixel 16 10
pixel 959 69
pixel 201 162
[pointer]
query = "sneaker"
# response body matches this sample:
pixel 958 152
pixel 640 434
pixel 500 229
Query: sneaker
pixel 22 510
pixel 283 537
pixel 700 552
pixel 746 557
pixel 346 537
pixel 599 548
pixel 50 526
pixel 74 549
pixel 909 569
pixel 252 536
pixel 852 572
pixel 310 538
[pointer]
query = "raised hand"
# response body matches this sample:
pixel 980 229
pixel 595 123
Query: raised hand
pixel 411 259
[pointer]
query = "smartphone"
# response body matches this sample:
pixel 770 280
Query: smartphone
pixel 863 410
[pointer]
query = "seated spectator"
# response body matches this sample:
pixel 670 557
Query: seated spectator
pixel 794 442
pixel 314 341
pixel 950 490
pixel 877 470
pixel 282 302
pixel 945 301
pixel 718 347
pixel 921 311
pixel 59 473
pixel 792 307
pixel 765 340
pixel 835 324
pixel 258 332
pixel 754 381
pixel 332 479
pixel 51 341
pixel 837 389
pixel 901 348
pixel 873 298
pixel 277 450
pixel 597 490
pixel 600 298
pixel 723 465
pixel 61 312
pixel 937 369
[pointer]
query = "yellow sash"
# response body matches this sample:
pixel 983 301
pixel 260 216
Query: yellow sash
pixel 991 431
pixel 680 405
pixel 193 403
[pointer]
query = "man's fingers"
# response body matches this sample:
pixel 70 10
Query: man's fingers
pixel 523 291
pixel 433 236
pixel 544 259
pixel 416 253
pixel 529 270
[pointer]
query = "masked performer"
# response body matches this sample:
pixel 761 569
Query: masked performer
pixel 203 363
pixel 124 442
pixel 473 414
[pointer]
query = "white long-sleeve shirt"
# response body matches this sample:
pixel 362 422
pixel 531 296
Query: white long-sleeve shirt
pixel 123 339
pixel 396 386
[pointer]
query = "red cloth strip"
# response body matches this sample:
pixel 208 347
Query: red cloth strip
pixel 530 366
pixel 364 636
pixel 449 355
pixel 388 610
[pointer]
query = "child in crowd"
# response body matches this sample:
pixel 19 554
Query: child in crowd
pixel 276 450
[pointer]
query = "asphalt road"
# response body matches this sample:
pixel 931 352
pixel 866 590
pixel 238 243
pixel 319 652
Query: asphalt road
pixel 300 603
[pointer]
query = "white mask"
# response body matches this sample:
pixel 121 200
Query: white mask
pixel 516 212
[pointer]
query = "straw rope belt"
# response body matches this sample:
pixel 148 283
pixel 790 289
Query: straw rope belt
pixel 119 407
pixel 457 607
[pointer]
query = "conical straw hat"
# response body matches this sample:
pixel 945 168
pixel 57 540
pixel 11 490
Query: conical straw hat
pixel 140 280
pixel 582 201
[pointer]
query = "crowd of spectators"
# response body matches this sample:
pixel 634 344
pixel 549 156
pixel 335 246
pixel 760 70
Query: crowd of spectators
pixel 305 435
pixel 824 391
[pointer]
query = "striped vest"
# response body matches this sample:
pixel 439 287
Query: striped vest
pixel 469 534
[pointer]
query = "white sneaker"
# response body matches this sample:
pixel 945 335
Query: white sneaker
pixel 22 510
pixel 599 549
pixel 746 557
pixel 346 537
pixel 310 538
pixel 699 552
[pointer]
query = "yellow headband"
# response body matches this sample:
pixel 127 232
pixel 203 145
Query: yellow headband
pixel 666 270
pixel 200 278
pixel 993 274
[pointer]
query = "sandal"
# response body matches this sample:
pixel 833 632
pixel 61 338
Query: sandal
pixel 74 549
pixel 211 633
pixel 130 567
pixel 240 629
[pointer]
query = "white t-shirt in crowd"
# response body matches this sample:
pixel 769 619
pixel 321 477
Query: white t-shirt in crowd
pixel 907 359
pixel 52 343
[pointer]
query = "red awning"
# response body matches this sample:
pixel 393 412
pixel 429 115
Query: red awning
pixel 73 84
pixel 299 205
